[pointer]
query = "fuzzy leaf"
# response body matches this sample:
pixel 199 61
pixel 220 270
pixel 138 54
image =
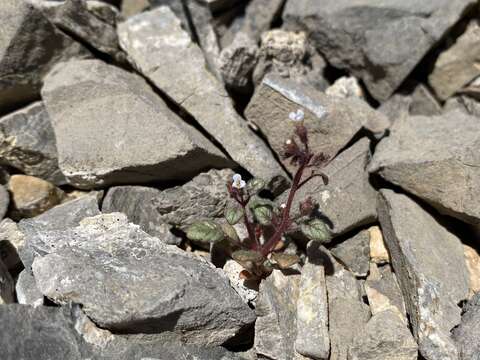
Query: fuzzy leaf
pixel 256 185
pixel 246 256
pixel 284 261
pixel 263 214
pixel 205 231
pixel 233 214
pixel 230 232
pixel 316 230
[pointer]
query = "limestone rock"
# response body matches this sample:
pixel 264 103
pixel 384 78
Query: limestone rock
pixel 423 255
pixel 473 266
pixel 247 291
pixel 346 87
pixel 7 286
pixel 435 158
pixel 463 103
pixel 11 243
pixel 380 43
pixel 27 290
pixel 468 332
pixel 155 41
pixel 98 146
pixel 162 288
pixel 4 201
pixel 354 253
pixel 378 251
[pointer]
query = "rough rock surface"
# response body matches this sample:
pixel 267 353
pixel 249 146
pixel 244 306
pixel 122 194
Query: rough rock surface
pixel 423 256
pixel 472 259
pixel 380 43
pixel 435 158
pixel 7 286
pixel 12 241
pixel 165 45
pixel 4 201
pixel 27 290
pixel 354 253
pixel 378 251
pixel 468 332
pixel 27 143
pixel 97 147
pixel 131 282
pixel 248 291
pixel 463 103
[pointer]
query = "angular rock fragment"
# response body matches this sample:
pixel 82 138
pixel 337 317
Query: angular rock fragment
pixel 32 196
pixel 97 147
pixel 27 290
pixel 378 251
pixel 424 255
pixel 354 253
pixel 348 201
pixel 4 201
pixel 468 332
pixel 218 5
pixel 164 288
pixel 11 243
pixel 7 286
pixel 29 47
pixel 346 87
pixel 435 158
pixel 380 43
pixel 329 132
pixel 472 259
pixel 248 292
pixel 155 41
pixel 27 143
pixel 463 103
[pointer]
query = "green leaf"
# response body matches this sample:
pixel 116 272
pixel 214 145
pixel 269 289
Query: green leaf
pixel 205 231
pixel 263 214
pixel 230 232
pixel 284 261
pixel 233 214
pixel 256 185
pixel 316 230
pixel 246 256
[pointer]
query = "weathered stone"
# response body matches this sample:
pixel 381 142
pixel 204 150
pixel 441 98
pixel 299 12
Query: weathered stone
pixel 29 47
pixel 380 43
pixel 205 197
pixel 276 327
pixel 12 241
pixel 27 290
pixel 155 41
pixel 422 102
pixel 458 65
pixel 423 255
pixel 106 12
pixel 27 143
pixel 435 158
pixel 348 201
pixel 472 260
pixel 97 147
pixel 165 288
pixel 346 87
pixel 463 103
pixel 217 5
pixel 329 133
pixel 383 292
pixel 354 253
pixel 7 286
pixel 29 234
pixel 385 336
pixel 4 201
pixel 247 290
pixel 378 251
pixel 468 332
pixel 133 7
pixel 312 307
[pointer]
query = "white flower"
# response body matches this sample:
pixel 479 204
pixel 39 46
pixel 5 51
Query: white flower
pixel 238 182
pixel 283 206
pixel 299 115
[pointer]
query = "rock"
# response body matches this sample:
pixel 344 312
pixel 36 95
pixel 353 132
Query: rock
pixel 380 44
pixel 468 332
pixel 133 7
pixel 32 196
pixel 472 260
pixel 457 66
pixel 422 102
pixel 329 133
pixel 205 197
pixel 348 201
pixel 7 286
pixel 378 251
pixel 276 326
pixel 435 158
pixel 423 255
pixel 383 292
pixel 27 143
pixel 30 233
pixel 385 337
pixel 98 147
pixel 346 87
pixel 354 253
pixel 165 288
pixel 106 12
pixel 464 103
pixel 4 201
pixel 312 308
pixel 12 241
pixel 27 290
pixel 247 291
pixel 155 41
pixel 29 47
pixel 218 5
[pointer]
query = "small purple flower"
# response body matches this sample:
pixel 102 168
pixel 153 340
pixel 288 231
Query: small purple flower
pixel 238 182
pixel 297 116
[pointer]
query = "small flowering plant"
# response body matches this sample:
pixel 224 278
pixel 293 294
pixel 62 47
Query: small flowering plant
pixel 266 223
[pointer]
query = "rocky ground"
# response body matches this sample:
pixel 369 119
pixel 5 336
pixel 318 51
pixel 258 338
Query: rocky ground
pixel 122 121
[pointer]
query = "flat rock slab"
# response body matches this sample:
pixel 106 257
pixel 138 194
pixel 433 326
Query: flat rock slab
pixel 437 159
pixel 354 253
pixel 27 291
pixel 379 42
pixel 155 41
pixel 468 332
pixel 329 132
pixel 423 255
pixel 130 282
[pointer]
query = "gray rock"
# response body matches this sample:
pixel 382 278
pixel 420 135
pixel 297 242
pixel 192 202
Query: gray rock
pixel 468 332
pixel 27 290
pixel 11 243
pixel 246 289
pixel 346 87
pixel 423 255
pixel 312 308
pixel 385 336
pixel 106 12
pixel 133 7
pixel 97 147
pixel 4 201
pixel 435 158
pixel 155 41
pixel 354 253
pixel 218 5
pixel 276 98
pixel 27 143
pixel 464 103
pixel 29 47
pixel 348 201
pixel 205 197
pixel 381 43
pixel 162 287
pixel 7 285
